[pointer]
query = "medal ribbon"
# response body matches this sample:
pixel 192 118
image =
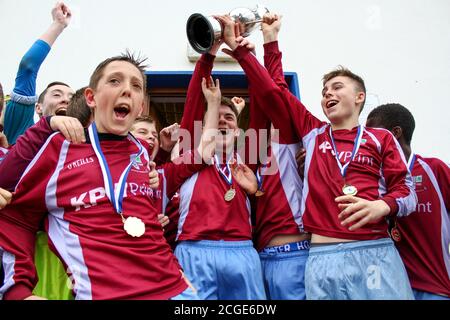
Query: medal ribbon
pixel 356 144
pixel 259 176
pixel 228 177
pixel 107 178
pixel 411 160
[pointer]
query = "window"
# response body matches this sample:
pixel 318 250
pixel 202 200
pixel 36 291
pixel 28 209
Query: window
pixel 167 93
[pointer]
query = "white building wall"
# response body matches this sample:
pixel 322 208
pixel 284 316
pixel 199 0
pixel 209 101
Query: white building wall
pixel 401 48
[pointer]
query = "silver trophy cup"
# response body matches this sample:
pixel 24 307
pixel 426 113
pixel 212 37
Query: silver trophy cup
pixel 203 31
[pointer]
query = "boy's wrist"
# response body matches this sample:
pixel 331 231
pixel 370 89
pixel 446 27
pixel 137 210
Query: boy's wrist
pixel 392 205
pixel 58 26
pixel 270 37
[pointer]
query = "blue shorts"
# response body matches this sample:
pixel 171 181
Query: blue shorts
pixel 423 295
pixel 284 273
pixel 359 270
pixel 222 270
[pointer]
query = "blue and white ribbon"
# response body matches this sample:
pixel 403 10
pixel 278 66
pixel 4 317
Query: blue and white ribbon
pixel 117 197
pixel 227 176
pixel 411 160
pixel 356 145
pixel 260 176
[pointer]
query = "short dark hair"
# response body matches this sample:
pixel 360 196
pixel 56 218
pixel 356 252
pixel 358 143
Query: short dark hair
pixel 127 56
pixel 391 115
pixel 54 83
pixel 344 72
pixel 78 108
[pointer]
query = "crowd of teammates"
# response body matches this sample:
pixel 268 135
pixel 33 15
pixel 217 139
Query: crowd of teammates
pixel 96 204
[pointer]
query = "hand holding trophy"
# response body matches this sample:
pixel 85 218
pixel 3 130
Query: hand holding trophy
pixel 205 31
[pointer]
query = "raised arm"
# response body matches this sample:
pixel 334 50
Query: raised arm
pixel 183 167
pixel 20 110
pixel 194 106
pixel 270 27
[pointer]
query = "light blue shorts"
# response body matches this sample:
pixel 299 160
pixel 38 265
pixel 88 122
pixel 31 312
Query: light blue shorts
pixel 222 270
pixel 284 274
pixel 359 270
pixel 187 294
pixel 423 295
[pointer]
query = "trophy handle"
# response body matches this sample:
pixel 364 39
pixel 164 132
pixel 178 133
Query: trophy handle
pixel 203 32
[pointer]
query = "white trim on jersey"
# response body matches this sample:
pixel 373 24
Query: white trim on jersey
pixel 36 157
pixel 309 143
pixel 165 198
pixel 372 136
pixel 187 189
pixel 445 220
pixel 406 205
pixel 290 180
pixel 147 158
pixel 382 189
pixel 61 236
pixel 8 261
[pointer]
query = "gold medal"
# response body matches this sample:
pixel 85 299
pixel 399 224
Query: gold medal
pixel 135 227
pixel 229 195
pixel 259 193
pixel 349 190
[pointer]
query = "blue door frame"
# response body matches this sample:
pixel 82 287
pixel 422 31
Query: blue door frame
pixel 228 79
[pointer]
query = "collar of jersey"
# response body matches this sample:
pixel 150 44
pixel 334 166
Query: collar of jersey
pixel 104 136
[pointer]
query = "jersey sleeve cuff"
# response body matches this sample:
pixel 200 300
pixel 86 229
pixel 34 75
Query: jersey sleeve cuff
pixel 240 53
pixel 26 100
pixel 271 47
pixel 208 58
pixel 392 203
pixel 44 45
pixel 18 292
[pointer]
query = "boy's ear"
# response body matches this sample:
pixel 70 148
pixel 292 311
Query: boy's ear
pixel 397 132
pixel 360 97
pixel 141 109
pixel 90 97
pixel 38 108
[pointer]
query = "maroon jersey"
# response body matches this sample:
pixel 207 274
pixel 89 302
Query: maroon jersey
pixel 105 263
pixel 278 209
pixel 378 170
pixel 204 213
pixel 21 153
pixel 425 233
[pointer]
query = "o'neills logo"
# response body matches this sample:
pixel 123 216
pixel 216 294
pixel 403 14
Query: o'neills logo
pixel 80 163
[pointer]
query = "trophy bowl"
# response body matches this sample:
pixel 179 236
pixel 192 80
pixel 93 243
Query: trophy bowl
pixel 204 31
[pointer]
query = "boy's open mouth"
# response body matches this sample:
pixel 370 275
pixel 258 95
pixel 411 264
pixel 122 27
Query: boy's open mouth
pixel 121 111
pixel 61 111
pixel 331 103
